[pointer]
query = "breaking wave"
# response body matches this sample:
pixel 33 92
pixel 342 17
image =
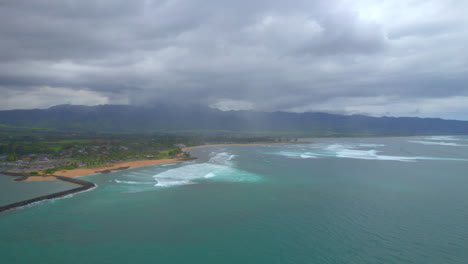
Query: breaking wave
pixel 305 155
pixel 133 182
pixel 168 164
pixel 352 151
pixel 220 168
pixel 441 143
pixel 442 138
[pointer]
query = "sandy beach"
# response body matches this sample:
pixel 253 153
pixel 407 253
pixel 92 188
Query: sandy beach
pixel 117 166
pixel 40 178
pixel 89 171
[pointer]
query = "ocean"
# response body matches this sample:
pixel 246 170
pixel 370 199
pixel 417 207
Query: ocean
pixel 344 200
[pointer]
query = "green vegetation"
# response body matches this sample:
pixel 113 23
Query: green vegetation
pixel 12 157
pixel 195 120
pixel 72 141
pixel 61 168
pixel 52 152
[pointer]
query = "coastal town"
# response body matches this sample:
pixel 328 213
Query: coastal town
pixel 54 154
pixel 48 157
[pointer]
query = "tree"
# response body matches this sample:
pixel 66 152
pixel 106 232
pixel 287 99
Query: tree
pixel 12 157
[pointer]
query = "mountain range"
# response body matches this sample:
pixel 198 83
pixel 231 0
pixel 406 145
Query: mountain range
pixel 197 119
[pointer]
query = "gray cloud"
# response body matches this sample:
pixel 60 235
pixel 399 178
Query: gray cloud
pixel 379 58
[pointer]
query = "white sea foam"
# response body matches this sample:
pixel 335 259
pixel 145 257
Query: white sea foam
pixel 369 155
pixel 302 155
pixel 441 143
pixel 219 167
pixel 307 156
pixel 343 151
pixel 69 195
pixel 222 158
pixel 168 183
pixel 168 164
pixel 133 182
pixel 442 138
pixel 353 151
pixel 190 174
pixel 290 154
pixel 210 175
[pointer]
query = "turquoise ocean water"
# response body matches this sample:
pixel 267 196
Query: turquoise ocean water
pixel 366 200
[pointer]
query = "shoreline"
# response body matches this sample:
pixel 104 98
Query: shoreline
pixel 81 172
pixel 69 175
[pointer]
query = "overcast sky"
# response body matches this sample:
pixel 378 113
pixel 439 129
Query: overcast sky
pixel 396 58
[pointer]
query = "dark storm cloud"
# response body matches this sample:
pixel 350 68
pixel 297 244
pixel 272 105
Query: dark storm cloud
pixel 374 57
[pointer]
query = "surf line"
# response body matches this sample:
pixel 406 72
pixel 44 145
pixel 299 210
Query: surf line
pixel 85 185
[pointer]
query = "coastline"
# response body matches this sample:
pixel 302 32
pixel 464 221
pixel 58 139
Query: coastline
pixel 79 172
pixel 69 175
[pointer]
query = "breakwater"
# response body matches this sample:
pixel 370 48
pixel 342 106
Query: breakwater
pixel 85 185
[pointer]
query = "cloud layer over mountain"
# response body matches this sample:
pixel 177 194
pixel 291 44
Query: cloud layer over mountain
pixel 401 58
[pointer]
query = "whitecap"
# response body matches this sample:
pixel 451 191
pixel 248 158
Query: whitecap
pixel 190 174
pixel 307 156
pixel 219 168
pixel 441 138
pixel 172 183
pixel 222 158
pixel 168 164
pixel 354 151
pixel 369 155
pixel 441 143
pixel 289 154
pixel 132 182
pixel 210 175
